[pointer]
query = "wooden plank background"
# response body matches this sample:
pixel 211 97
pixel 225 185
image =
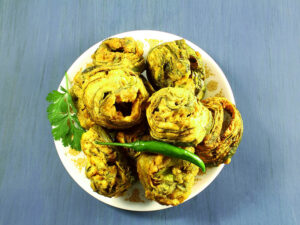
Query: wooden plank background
pixel 256 43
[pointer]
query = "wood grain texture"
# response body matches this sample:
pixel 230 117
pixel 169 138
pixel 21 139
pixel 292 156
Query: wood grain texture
pixel 257 45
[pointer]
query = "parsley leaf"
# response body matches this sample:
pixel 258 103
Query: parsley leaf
pixel 63 119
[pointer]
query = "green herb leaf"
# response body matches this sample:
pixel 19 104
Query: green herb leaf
pixel 62 117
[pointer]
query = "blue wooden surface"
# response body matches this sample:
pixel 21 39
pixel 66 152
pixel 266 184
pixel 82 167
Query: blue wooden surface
pixel 257 44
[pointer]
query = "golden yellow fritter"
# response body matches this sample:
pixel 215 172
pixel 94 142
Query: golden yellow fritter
pixel 176 115
pixel 120 53
pixel 116 100
pixel 175 64
pixel 107 167
pixel 83 115
pixel 222 141
pixel 166 180
pixel 80 78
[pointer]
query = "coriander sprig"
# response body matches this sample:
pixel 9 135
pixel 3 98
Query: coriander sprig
pixel 62 115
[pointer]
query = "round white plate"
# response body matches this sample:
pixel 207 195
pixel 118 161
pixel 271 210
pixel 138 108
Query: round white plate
pixel 134 198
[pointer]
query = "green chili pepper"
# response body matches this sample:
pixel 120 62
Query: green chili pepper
pixel 161 148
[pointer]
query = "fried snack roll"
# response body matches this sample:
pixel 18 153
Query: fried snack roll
pixel 83 115
pixel 175 115
pixel 115 100
pixel 120 53
pixel 166 180
pixel 107 167
pixel 222 141
pixel 138 132
pixel 80 78
pixel 86 74
pixel 175 64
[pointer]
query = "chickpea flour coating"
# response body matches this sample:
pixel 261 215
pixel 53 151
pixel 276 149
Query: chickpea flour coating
pixel 175 115
pixel 114 99
pixel 120 53
pixel 222 141
pixel 107 167
pixel 175 64
pixel 166 180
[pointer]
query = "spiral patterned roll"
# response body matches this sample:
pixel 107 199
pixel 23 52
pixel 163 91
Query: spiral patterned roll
pixel 175 115
pixel 222 141
pixel 115 100
pixel 120 53
pixel 107 168
pixel 83 76
pixel 175 64
pixel 166 180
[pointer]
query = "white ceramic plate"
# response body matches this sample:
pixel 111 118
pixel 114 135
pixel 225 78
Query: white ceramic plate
pixel 134 198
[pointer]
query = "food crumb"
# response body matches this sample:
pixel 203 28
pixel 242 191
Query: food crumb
pixel 73 152
pixel 212 85
pixel 220 93
pixel 208 72
pixel 135 196
pixel 79 163
pixel 197 179
pixel 227 161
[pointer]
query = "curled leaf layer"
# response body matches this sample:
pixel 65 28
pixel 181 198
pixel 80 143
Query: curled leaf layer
pixel 116 100
pixel 175 64
pixel 91 72
pixel 177 116
pixel 166 180
pixel 107 167
pixel 223 139
pixel 120 53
